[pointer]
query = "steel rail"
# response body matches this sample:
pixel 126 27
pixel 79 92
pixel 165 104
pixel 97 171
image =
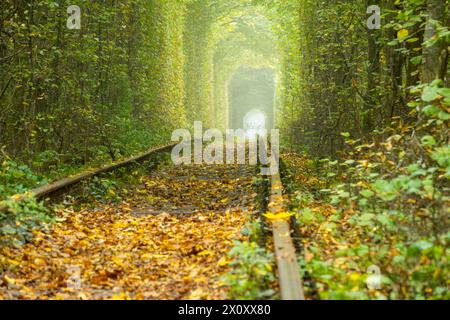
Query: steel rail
pixel 59 185
pixel 290 281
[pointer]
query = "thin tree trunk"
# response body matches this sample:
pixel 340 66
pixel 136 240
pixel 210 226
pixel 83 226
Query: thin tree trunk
pixel 434 57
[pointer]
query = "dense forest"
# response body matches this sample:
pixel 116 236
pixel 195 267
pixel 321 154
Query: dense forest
pixel 359 89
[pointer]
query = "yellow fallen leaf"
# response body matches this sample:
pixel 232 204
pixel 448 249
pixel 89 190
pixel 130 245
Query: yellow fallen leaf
pixel 151 255
pixel 205 253
pixel 121 296
pixel 39 262
pixel 13 262
pixel 223 262
pixel 355 276
pixel 278 216
pixel 17 197
pixel 118 261
pixel 9 280
pixel 197 294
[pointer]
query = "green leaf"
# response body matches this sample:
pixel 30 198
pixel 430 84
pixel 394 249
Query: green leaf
pixel 367 193
pixel 444 115
pixel 445 92
pixel 431 110
pixel 384 219
pixel 428 141
pixel 366 219
pixel 429 94
pixel 416 60
pixel 411 40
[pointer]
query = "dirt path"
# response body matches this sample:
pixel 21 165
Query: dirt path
pixel 167 240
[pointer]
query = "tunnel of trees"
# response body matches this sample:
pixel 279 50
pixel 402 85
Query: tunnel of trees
pixel 251 90
pixel 366 111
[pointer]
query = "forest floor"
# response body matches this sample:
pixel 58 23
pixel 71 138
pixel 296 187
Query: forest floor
pixel 196 232
pixel 167 239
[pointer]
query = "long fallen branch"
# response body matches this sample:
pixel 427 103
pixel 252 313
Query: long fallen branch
pixel 51 188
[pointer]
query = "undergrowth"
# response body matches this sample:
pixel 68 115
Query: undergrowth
pixel 251 274
pixel 375 222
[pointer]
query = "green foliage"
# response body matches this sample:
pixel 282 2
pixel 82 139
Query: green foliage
pixel 16 178
pixel 72 97
pixel 102 189
pixel 21 218
pixel 416 271
pixel 401 198
pixel 18 223
pixel 251 268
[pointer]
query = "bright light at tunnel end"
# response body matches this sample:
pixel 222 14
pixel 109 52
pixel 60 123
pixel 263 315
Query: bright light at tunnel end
pixel 255 124
pixel 252 141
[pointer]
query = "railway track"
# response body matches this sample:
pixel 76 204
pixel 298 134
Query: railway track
pixel 65 184
pixel 290 282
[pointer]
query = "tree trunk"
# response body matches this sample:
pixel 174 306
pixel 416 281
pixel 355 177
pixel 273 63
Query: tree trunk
pixel 373 76
pixel 434 57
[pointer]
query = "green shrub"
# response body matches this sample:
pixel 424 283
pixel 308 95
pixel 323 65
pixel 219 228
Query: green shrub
pixel 251 268
pixel 18 223
pixel 17 178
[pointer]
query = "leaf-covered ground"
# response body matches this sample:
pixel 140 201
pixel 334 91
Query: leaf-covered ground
pixel 168 239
